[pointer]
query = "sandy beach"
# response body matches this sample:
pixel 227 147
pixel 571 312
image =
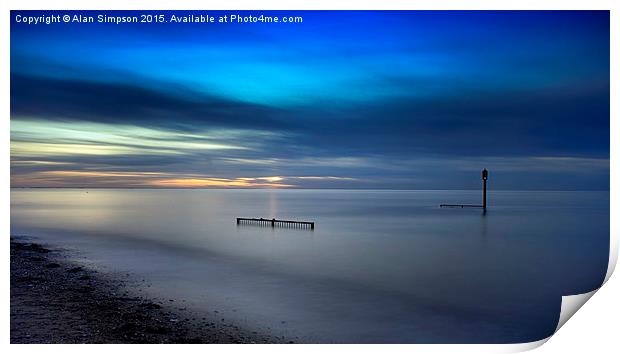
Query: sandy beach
pixel 56 301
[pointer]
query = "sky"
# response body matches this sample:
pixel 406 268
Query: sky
pixel 344 99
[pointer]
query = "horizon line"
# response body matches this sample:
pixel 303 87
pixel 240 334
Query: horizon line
pixel 353 189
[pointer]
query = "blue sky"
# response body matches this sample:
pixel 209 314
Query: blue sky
pixel 353 99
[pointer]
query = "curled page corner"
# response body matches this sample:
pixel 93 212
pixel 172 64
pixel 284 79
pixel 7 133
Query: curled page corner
pixel 571 304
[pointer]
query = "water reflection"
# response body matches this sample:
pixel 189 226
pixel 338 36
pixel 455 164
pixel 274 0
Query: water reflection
pixel 381 266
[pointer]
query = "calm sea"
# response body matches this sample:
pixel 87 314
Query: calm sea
pixel 380 266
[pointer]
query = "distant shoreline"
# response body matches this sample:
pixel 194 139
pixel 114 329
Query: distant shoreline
pixel 56 301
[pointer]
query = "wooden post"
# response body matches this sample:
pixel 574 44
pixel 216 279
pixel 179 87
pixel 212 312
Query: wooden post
pixel 485 176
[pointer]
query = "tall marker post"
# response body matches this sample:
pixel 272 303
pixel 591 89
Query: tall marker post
pixel 485 176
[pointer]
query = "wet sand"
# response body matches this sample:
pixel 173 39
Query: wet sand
pixel 56 301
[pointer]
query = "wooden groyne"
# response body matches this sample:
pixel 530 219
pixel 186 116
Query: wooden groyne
pixel 275 222
pixel 460 206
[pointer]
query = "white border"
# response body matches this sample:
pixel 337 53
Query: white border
pixel 605 307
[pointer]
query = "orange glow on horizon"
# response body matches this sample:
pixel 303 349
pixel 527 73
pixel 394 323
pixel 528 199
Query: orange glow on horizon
pixel 149 179
pixel 216 182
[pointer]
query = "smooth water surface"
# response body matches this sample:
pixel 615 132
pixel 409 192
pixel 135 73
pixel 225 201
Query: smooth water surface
pixel 381 266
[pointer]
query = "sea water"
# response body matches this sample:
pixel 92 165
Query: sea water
pixel 379 267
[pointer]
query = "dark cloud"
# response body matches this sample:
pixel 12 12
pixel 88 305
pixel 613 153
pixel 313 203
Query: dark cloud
pixel 471 122
pixel 475 122
pixel 109 102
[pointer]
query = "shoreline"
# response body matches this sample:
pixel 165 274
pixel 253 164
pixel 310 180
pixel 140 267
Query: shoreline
pixel 54 300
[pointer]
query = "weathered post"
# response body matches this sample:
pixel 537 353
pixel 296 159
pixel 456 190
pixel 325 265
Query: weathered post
pixel 485 176
pixel 273 222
